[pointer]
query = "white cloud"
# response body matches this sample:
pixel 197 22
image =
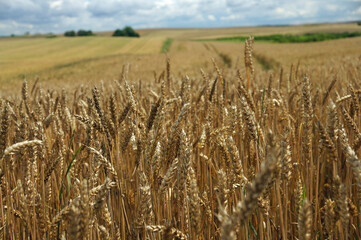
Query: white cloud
pixel 332 7
pixel 357 11
pixel 211 17
pixel 285 13
pixel 232 17
pixel 98 15
pixel 56 4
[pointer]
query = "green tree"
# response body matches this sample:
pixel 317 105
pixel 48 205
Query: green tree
pixel 118 33
pixel 69 33
pixel 129 31
pixel 82 33
pixel 126 32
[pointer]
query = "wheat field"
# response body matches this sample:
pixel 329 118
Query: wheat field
pixel 60 62
pixel 227 153
pixel 19 57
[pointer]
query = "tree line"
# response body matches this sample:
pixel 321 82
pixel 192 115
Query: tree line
pixel 79 33
pixel 125 32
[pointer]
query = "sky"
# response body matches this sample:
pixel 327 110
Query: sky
pixel 57 16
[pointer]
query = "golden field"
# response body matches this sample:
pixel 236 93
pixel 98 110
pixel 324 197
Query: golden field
pixel 59 61
pixel 111 139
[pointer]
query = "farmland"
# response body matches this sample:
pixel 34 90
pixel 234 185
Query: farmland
pixel 19 57
pixel 59 61
pixel 168 137
pixel 288 38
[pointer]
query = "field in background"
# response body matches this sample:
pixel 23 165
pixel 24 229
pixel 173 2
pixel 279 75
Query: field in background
pixel 290 38
pixel 63 61
pixel 21 57
pixel 206 33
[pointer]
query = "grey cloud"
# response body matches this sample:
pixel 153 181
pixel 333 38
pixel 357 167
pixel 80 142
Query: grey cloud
pixel 38 11
pixel 99 8
pixel 19 9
